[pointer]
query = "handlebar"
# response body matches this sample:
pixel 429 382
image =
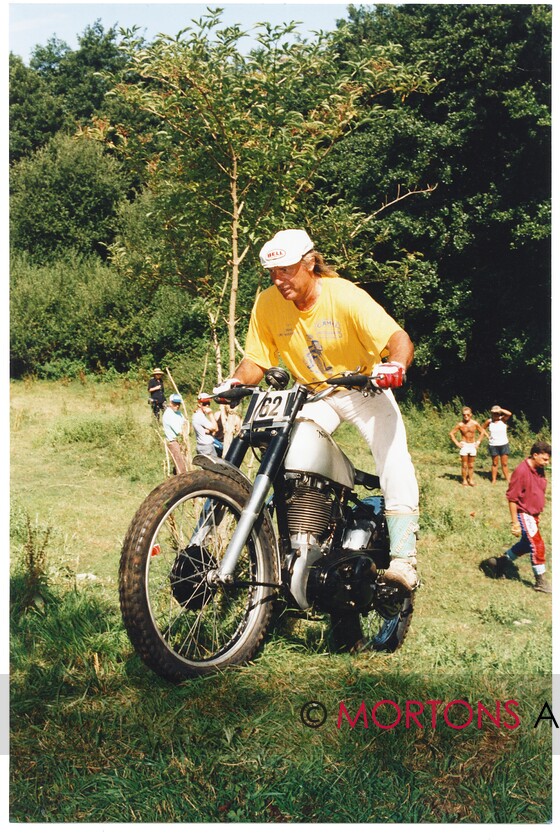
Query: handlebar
pixel 342 380
pixel 235 394
pixel 353 380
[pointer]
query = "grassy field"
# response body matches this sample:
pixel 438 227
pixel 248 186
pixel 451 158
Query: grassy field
pixel 98 738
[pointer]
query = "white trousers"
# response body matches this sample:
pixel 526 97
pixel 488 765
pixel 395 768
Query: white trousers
pixel 378 419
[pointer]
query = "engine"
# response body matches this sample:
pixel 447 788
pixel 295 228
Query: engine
pixel 310 503
pixel 333 545
pixel 343 580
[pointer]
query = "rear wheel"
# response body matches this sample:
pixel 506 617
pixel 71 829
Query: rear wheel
pixel 181 621
pixel 383 629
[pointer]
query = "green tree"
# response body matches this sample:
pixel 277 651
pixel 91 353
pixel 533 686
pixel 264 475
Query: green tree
pixel 65 196
pixel 36 113
pixel 77 75
pixel 238 142
pixel 484 137
pixel 61 89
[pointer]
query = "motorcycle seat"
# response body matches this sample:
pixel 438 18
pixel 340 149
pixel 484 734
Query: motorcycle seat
pixel 367 480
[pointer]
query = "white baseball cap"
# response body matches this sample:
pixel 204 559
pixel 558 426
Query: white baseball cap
pixel 287 247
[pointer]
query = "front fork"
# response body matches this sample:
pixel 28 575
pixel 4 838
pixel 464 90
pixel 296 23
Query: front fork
pixel 261 489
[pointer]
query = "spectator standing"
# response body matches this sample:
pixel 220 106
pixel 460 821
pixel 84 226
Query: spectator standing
pixel 173 427
pixel 498 444
pixel 232 423
pixel 206 427
pixel 156 392
pixel 467 445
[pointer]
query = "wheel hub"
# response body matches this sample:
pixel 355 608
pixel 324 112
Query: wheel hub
pixel 189 578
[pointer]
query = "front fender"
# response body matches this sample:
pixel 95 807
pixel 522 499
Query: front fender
pixel 218 465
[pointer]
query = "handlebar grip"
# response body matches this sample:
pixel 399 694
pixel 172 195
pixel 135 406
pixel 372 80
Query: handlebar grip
pixel 356 380
pixel 233 394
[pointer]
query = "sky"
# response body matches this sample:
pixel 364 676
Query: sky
pixel 31 24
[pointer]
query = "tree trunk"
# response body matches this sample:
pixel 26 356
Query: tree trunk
pixel 216 344
pixel 236 209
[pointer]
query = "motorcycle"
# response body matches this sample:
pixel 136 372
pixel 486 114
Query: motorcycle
pixel 203 565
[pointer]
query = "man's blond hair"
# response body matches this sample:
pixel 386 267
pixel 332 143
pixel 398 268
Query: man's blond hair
pixel 321 268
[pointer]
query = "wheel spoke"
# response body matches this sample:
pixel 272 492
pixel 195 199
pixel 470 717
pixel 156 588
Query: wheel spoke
pixel 199 619
pixel 181 620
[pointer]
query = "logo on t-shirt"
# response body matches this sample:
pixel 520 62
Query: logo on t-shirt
pixel 314 356
pixel 328 328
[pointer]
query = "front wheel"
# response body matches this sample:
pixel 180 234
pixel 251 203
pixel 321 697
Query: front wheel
pixel 180 620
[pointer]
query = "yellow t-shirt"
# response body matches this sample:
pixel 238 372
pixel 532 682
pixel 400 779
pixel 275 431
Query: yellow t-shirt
pixel 345 329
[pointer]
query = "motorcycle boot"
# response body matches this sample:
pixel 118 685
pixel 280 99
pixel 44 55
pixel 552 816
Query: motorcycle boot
pixel 402 528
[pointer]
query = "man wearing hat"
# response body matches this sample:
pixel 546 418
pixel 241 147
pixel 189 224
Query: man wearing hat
pixel 156 392
pixel 206 427
pixel 173 424
pixel 321 324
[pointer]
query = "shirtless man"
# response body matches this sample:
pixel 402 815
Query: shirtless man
pixel 467 446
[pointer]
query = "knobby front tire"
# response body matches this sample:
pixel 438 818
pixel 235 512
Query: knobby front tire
pixel 179 621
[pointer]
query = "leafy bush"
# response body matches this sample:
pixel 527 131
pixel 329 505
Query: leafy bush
pixel 97 431
pixel 74 313
pixel 77 315
pixel 65 196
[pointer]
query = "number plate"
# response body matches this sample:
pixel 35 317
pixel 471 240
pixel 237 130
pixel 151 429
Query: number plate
pixel 269 409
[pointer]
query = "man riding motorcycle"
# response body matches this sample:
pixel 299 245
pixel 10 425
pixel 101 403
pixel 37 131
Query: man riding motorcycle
pixel 321 324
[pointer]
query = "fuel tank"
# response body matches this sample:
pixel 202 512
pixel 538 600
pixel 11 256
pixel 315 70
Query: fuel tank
pixel 312 450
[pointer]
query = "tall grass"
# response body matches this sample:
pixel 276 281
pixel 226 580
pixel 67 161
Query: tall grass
pixel 30 580
pixel 96 737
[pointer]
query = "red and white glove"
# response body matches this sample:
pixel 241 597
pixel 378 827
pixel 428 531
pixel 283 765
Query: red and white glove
pixel 388 375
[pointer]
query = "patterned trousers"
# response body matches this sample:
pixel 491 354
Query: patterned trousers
pixel 531 541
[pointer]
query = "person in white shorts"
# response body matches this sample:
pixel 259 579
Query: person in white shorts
pixel 498 444
pixel 467 445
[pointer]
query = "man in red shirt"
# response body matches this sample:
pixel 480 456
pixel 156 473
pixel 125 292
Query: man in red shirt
pixel 526 497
